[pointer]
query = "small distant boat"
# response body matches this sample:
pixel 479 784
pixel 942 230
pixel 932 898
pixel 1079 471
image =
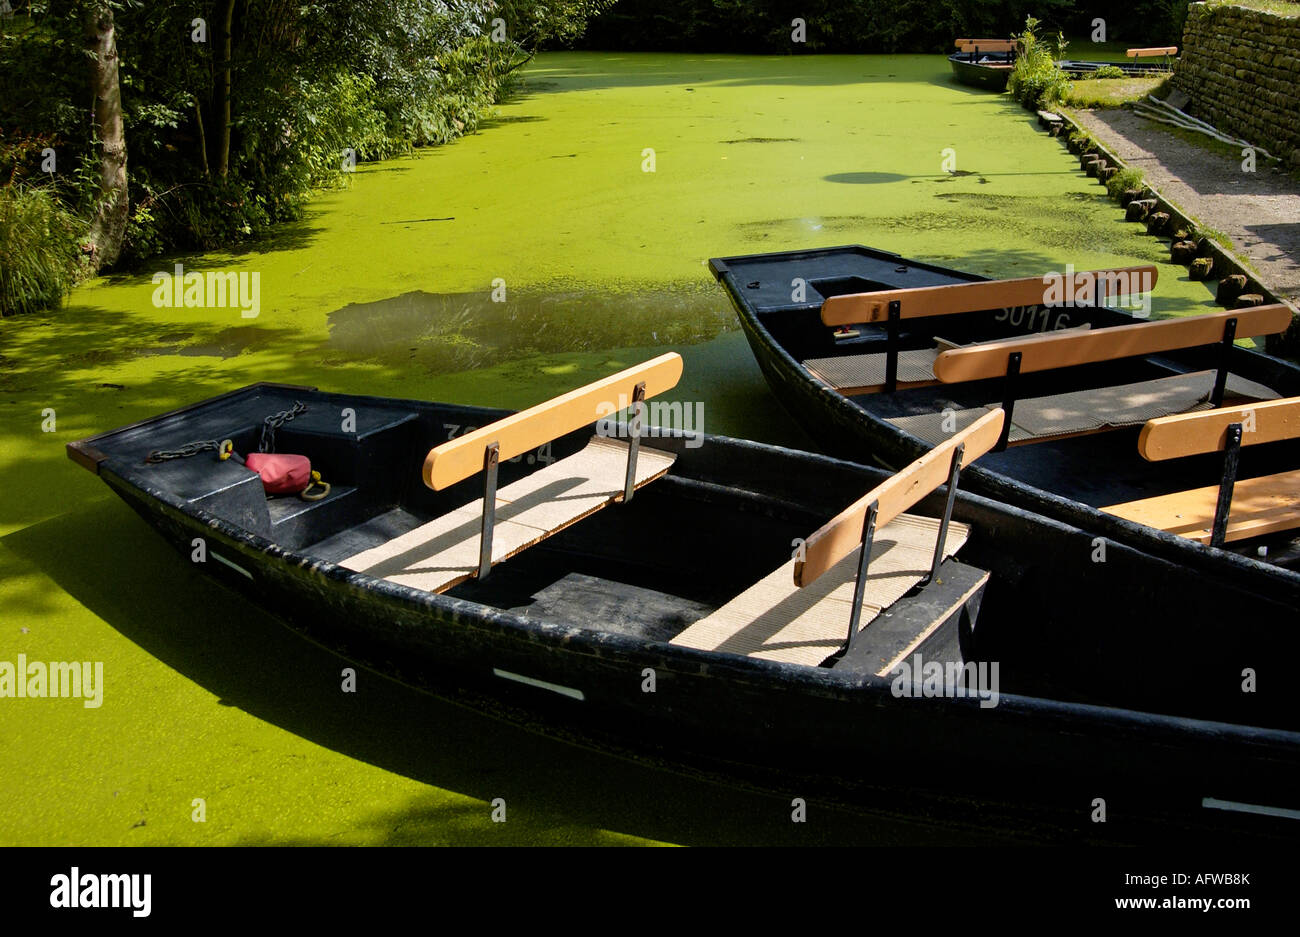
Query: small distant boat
pixel 1131 67
pixel 984 63
pixel 637 589
pixel 987 63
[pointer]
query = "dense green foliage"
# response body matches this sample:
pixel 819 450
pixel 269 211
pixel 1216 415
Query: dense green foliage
pixel 1035 80
pixel 313 87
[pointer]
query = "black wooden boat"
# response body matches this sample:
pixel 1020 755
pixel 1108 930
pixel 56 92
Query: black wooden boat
pixel 987 70
pixel 1083 457
pixel 588 613
pixel 1079 69
pixel 984 63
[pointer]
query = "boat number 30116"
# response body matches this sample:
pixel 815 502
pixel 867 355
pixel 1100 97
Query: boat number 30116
pixel 1034 317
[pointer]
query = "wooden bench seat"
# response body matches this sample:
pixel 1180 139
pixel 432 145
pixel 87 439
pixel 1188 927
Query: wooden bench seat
pixel 800 612
pixel 776 620
pixel 873 373
pixel 987 45
pixel 441 553
pixel 981 295
pixel 1088 411
pixel 1166 51
pixel 1259 506
pixel 865 374
pixel 1235 509
pixel 438 555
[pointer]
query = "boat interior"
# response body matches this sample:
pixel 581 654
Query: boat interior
pixel 990 53
pixel 727 547
pixel 1084 382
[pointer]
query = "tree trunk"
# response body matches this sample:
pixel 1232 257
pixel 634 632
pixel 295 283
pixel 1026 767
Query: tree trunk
pixel 203 139
pixel 226 12
pixel 108 225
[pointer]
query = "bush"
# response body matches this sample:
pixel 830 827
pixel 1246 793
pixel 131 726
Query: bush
pixel 38 249
pixel 1036 81
pixel 1108 71
pixel 1123 180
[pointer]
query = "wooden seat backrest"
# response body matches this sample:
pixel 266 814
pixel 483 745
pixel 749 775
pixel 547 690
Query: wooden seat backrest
pixel 521 432
pixel 987 45
pixel 843 534
pixel 1066 349
pixel 917 302
pixel 1153 50
pixel 1184 434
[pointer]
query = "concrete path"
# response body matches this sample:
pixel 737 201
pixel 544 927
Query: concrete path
pixel 1259 211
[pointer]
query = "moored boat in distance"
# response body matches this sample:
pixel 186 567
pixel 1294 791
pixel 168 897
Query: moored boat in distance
pixel 984 63
pixel 705 602
pixel 987 63
pixel 878 357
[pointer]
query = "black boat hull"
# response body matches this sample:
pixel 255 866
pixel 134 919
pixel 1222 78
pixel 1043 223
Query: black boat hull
pixel 812 732
pixel 988 77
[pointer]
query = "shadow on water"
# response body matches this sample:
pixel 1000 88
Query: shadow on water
pixel 453 332
pixel 865 178
pixel 555 791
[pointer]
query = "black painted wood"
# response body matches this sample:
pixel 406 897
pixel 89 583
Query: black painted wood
pixel 1122 676
pixel 955 591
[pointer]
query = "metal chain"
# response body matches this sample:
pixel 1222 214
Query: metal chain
pixel 184 452
pixel 274 422
pixel 266 444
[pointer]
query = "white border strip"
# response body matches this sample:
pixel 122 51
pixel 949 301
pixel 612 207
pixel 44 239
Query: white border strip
pixel 540 684
pixel 1215 804
pixel 225 562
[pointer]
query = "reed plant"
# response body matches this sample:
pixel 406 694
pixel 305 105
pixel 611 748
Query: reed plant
pixel 1036 80
pixel 39 249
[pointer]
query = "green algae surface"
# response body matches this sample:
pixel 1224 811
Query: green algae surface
pixel 533 256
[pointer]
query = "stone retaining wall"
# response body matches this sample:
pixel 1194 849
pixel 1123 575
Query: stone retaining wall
pixel 1241 69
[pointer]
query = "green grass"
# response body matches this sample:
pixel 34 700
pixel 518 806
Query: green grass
pixel 1124 180
pixel 1279 7
pixel 1092 93
pixel 1215 235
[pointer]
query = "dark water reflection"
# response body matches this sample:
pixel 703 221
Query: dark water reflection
pixel 452 332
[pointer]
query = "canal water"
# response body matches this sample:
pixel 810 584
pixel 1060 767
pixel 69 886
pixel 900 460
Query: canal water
pixel 566 239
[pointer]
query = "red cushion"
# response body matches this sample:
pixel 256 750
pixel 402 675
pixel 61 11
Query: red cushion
pixel 282 474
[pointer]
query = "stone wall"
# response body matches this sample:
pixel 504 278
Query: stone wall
pixel 1241 69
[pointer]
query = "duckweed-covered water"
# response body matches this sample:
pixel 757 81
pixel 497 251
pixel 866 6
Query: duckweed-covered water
pixel 526 259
